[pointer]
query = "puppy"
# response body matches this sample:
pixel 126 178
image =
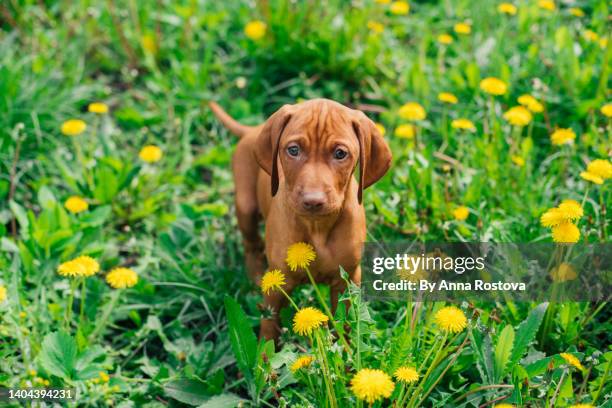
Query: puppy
pixel 296 171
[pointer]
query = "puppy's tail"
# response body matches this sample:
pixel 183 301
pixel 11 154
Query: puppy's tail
pixel 230 123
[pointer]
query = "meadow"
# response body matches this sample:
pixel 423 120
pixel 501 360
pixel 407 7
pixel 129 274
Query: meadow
pixel 121 266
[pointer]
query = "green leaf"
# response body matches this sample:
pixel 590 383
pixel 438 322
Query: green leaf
pixel 526 332
pixel 503 349
pixel 58 354
pixel 242 338
pixel 190 392
pixel 481 346
pixel 22 218
pixel 226 400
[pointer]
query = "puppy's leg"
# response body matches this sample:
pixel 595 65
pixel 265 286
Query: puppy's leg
pixel 270 327
pixel 245 178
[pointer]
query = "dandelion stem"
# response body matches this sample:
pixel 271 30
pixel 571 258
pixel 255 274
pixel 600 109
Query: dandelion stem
pixel 83 292
pixel 73 284
pixel 289 298
pixel 101 324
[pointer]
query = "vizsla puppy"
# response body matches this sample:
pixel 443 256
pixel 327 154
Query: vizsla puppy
pixel 296 170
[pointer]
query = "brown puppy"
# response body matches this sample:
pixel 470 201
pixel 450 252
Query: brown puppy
pixel 296 170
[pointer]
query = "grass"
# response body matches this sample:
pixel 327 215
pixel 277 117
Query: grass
pixel 177 337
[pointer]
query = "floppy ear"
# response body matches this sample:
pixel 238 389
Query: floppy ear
pixel 267 143
pixel 374 153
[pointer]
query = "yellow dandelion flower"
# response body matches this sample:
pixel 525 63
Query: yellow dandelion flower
pixel 121 278
pixel 73 127
pixel 82 266
pixel 23 315
pixel 571 210
pixel 493 86
pixel 149 44
pixel 601 168
pixel 461 213
pixel 372 385
pixel 301 362
pixel 565 233
pixel 150 154
pixel 98 107
pixel 375 27
pixel 518 160
pixel 462 28
pixel 563 273
pixel 572 360
pixel 447 97
pixel 300 255
pixel 582 406
pixel 590 36
pixel 381 128
pixel 593 178
pixel 576 12
pixel 607 110
pixel 400 8
pixel 451 319
pixel 308 319
pixel 518 116
pixel 76 204
pixel 507 8
pixel 255 30
pixel 503 406
pixel 412 111
pixel 445 39
pixel 562 136
pixel 463 124
pixel 548 5
pixel 530 103
pixel 382 1
pixel 603 42
pixel 103 376
pixel 404 131
pixel 406 374
pixel 2 293
pixel 272 280
pixel 32 373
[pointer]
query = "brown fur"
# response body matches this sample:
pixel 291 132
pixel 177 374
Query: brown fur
pixel 312 198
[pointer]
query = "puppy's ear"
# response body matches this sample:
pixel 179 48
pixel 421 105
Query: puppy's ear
pixel 374 153
pixel 267 143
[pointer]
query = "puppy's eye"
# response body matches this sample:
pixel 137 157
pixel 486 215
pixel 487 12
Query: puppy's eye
pixel 293 150
pixel 340 154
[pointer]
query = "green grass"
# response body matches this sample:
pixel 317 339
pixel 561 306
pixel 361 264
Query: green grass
pixel 175 338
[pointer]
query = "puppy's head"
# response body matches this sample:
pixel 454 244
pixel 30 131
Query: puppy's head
pixel 319 143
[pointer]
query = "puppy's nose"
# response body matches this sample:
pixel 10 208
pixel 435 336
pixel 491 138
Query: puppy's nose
pixel 313 201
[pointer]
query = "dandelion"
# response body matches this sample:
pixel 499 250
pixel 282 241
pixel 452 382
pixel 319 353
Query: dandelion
pixel 565 233
pixel 593 178
pixel 493 86
pixel 451 319
pixel 76 204
pixel 607 110
pixel 503 406
pixel 301 362
pixel 518 116
pixel 518 160
pixel 576 12
pixel 73 127
pixel 412 111
pixel 406 374
pixel 82 266
pixel 98 107
pixel 447 97
pixel 563 273
pixel 462 28
pixel 381 128
pixel 461 213
pixel 399 8
pixel 2 293
pixel 271 280
pixel 530 103
pixel 507 8
pixel 562 136
pixel 582 406
pixel 150 154
pixel 103 376
pixel 590 36
pixel 603 42
pixel 371 385
pixel 382 1
pixel 572 360
pixel 376 27
pixel 300 255
pixel 548 5
pixel 121 278
pixel 445 39
pixel 405 131
pixel 601 168
pixel 255 30
pixel 308 319
pixel 463 124
pixel 148 43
